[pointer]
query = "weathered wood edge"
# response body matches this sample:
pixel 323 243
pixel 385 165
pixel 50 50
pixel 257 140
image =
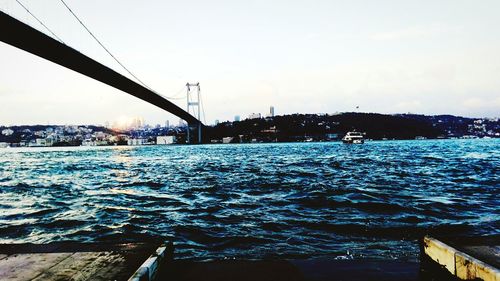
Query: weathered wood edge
pixel 149 269
pixel 70 246
pixel 459 263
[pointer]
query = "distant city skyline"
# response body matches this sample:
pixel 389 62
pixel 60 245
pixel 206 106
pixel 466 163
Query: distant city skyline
pixel 423 57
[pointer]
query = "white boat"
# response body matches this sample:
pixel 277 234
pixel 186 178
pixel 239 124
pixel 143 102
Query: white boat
pixel 353 137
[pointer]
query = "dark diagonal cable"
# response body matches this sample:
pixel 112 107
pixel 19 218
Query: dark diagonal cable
pixel 107 51
pixel 39 21
pixel 99 42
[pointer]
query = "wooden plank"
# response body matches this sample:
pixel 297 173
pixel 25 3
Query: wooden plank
pixel 69 268
pixel 28 266
pixel 469 268
pixel 440 253
pixel 102 260
pixel 72 247
pixel 489 254
pixel 114 268
pixel 72 261
pixel 460 264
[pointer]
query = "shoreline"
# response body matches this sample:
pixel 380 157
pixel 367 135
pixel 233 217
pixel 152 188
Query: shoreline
pixel 251 143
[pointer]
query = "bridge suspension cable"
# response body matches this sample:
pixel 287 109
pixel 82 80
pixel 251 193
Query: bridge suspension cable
pixel 203 109
pixel 177 96
pixel 27 38
pixel 102 45
pixel 115 58
pixel 39 21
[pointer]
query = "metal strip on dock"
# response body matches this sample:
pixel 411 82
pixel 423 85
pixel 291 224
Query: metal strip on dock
pixel 149 269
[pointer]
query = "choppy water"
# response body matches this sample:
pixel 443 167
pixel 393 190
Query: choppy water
pixel 256 200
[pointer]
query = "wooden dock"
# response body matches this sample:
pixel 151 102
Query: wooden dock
pixel 444 259
pixel 75 261
pixel 464 258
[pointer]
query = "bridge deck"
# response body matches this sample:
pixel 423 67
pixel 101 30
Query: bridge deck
pixel 23 36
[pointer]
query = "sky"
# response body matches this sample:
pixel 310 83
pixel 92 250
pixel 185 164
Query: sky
pixel 387 56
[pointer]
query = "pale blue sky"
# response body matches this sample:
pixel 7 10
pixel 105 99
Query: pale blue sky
pixel 429 57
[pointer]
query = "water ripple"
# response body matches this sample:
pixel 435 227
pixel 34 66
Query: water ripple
pixel 254 201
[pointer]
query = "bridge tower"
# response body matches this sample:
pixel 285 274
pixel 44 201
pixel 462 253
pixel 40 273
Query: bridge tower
pixel 193 102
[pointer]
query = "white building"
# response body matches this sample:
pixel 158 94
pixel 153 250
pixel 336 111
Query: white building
pixel 88 142
pixel 38 142
pixel 166 140
pixel 254 116
pixel 7 132
pixel 40 134
pixel 139 141
pixel 227 139
pixel 49 141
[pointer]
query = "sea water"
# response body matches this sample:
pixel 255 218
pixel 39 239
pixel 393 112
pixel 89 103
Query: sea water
pixel 254 201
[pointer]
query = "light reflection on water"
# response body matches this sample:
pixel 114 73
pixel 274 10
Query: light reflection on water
pixel 254 201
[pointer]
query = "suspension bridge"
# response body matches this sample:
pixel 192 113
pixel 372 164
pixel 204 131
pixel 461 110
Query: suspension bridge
pixel 29 39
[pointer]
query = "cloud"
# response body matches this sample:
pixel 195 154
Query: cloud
pixel 481 103
pixel 409 106
pixel 414 32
